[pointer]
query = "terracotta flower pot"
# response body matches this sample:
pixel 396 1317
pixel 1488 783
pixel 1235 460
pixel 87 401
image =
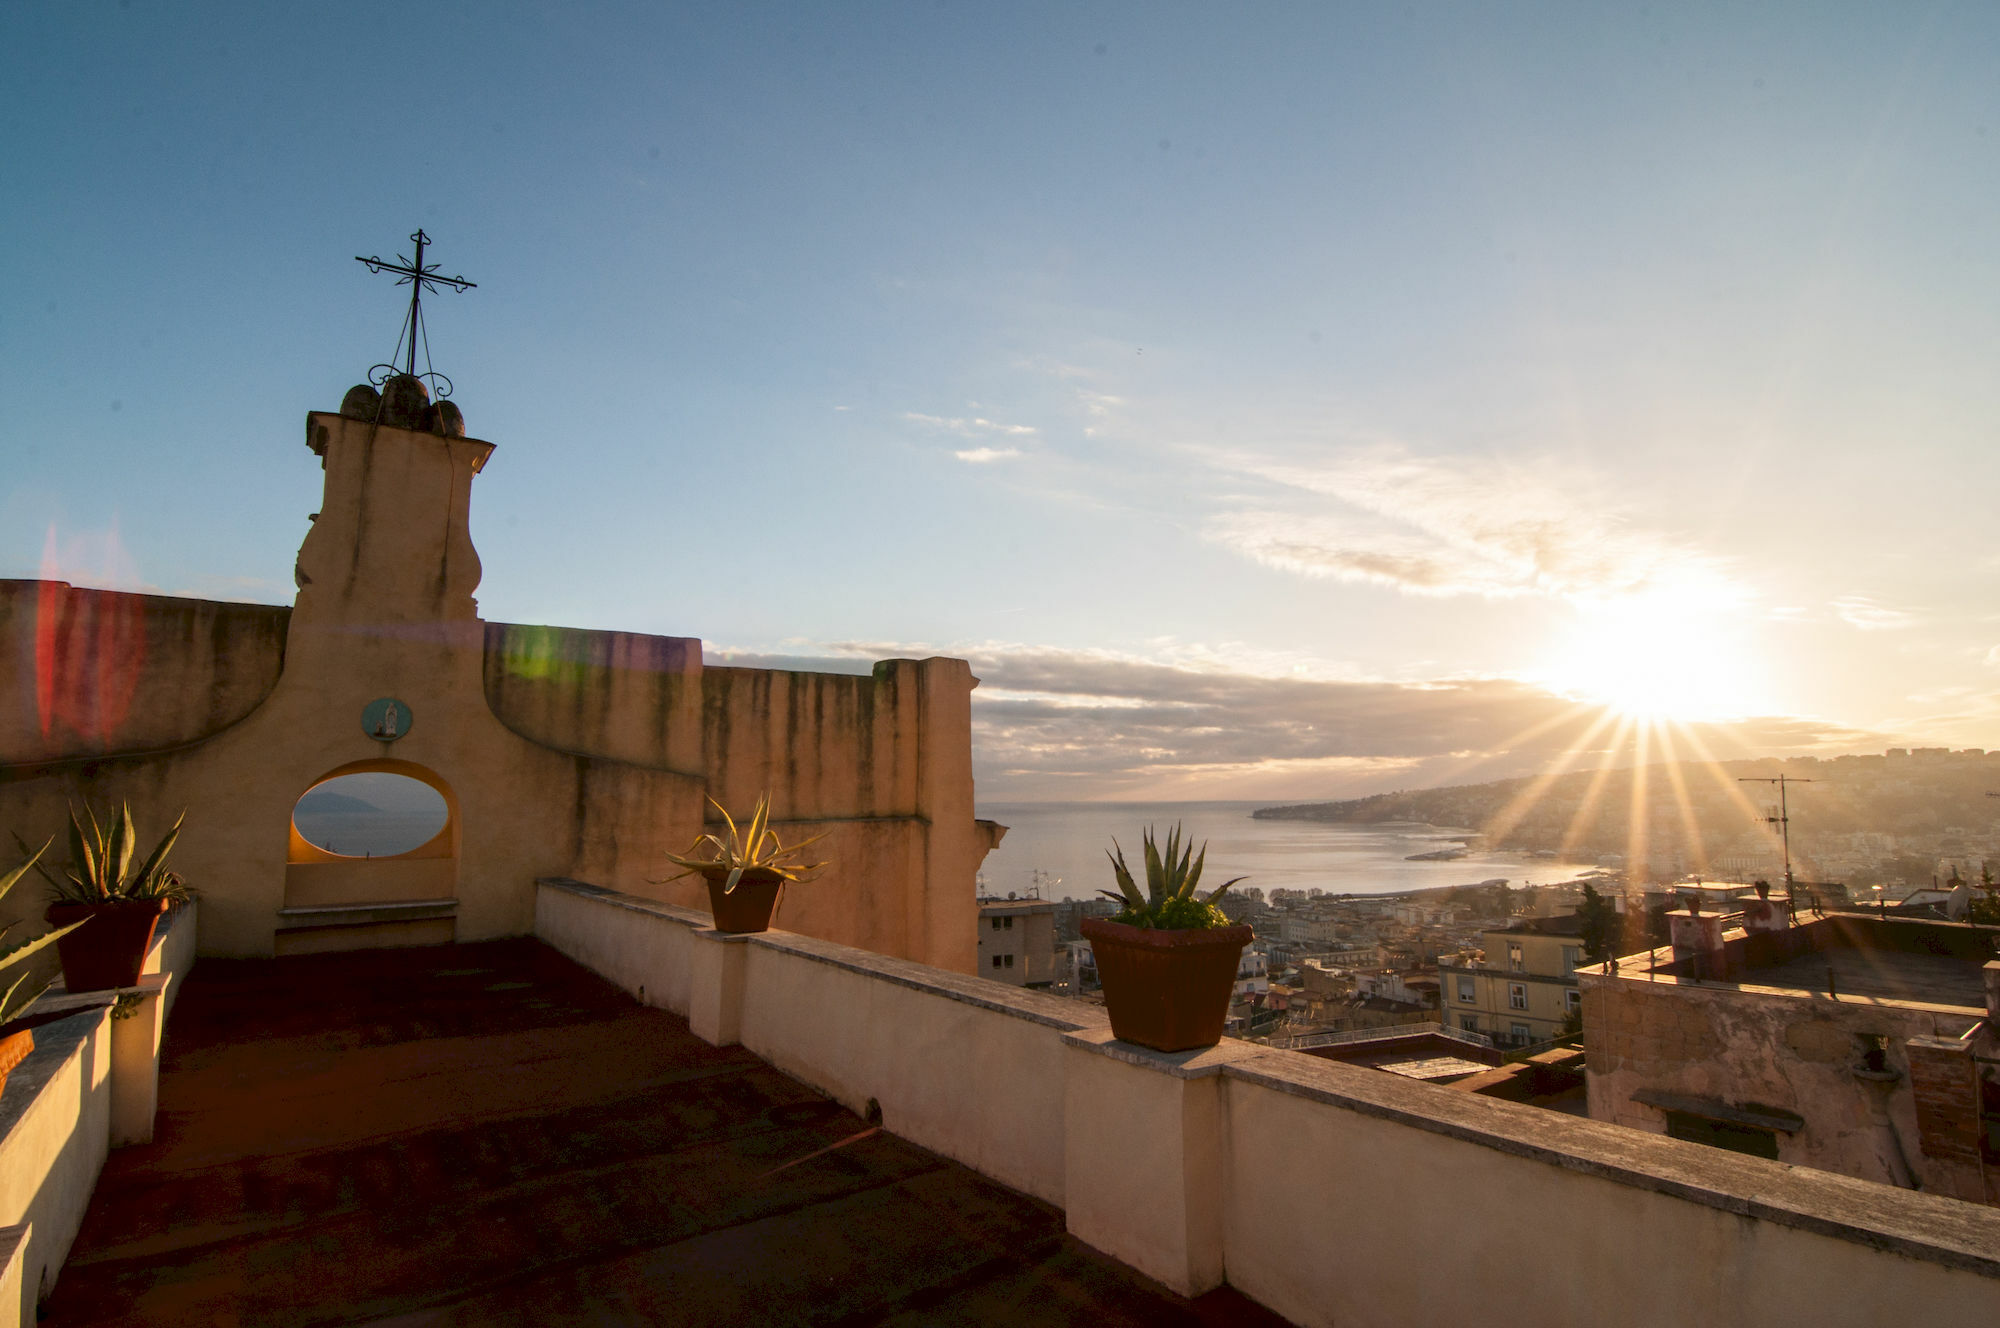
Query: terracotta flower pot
pixel 1168 990
pixel 14 1049
pixel 110 948
pixel 750 906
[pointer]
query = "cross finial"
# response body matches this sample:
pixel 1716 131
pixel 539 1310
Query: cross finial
pixel 418 276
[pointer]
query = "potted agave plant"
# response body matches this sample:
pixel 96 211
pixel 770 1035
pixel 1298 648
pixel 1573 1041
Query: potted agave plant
pixel 747 870
pixel 122 907
pixel 1168 957
pixel 17 1042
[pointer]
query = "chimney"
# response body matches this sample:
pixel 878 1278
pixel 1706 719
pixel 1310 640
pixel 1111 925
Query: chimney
pixel 1760 914
pixel 1695 933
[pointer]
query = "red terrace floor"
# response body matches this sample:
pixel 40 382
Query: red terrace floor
pixel 489 1134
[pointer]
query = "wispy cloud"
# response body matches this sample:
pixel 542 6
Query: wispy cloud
pixel 1858 611
pixel 980 456
pixel 969 426
pixel 1448 526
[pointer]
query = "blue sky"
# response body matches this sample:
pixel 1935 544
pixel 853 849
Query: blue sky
pixel 1271 401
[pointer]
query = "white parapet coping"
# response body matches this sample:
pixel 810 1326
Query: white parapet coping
pixel 55 1129
pixel 91 1082
pixel 1328 1192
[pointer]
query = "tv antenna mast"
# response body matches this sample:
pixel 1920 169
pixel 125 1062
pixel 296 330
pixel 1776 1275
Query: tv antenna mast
pixel 1783 820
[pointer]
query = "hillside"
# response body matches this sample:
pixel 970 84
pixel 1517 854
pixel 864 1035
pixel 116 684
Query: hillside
pixel 1858 817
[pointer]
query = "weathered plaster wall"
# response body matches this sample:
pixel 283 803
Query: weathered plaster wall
pixel 1795 1053
pixel 89 672
pixel 622 696
pixel 559 752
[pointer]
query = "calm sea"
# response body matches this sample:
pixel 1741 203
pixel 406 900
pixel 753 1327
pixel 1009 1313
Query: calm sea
pixel 1069 840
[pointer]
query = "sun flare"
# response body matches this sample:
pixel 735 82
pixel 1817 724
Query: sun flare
pixel 1666 652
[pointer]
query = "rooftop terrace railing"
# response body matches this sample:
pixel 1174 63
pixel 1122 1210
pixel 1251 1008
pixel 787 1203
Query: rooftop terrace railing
pixel 1296 1179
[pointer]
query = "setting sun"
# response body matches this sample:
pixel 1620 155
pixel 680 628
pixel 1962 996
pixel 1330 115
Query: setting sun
pixel 1668 652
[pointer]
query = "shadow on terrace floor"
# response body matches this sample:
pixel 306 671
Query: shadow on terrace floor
pixel 489 1134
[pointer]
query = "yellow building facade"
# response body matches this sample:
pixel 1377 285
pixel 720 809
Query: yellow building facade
pixel 1526 989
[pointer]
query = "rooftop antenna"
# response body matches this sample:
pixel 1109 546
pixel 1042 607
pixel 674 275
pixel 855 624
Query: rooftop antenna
pixel 419 276
pixel 1783 820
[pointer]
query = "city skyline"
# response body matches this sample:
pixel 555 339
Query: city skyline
pixel 1281 406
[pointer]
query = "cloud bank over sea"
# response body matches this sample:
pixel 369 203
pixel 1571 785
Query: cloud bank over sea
pixel 1061 725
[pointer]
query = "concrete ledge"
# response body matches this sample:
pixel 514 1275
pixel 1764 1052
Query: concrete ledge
pixel 1000 997
pixel 1049 1011
pixel 55 1131
pixel 1201 1063
pixel 1916 1225
pixel 1331 1193
pixel 351 915
pixel 13 1261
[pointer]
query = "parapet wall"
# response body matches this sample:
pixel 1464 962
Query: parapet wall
pixel 824 744
pixel 87 673
pixel 622 696
pixel 1299 1181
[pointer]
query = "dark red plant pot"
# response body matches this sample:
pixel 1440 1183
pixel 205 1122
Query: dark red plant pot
pixel 110 948
pixel 14 1049
pixel 750 906
pixel 1168 990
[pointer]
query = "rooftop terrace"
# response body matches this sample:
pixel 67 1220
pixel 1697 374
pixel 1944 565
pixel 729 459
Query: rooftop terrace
pixel 1855 957
pixel 480 1134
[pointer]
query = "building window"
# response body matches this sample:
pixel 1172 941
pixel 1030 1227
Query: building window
pixel 1010 922
pixel 1574 1001
pixel 1010 961
pixel 1517 995
pixel 996 924
pixel 1469 1023
pixel 1465 992
pixel 1572 956
pixel 1521 1033
pixel 996 961
pixel 1723 1134
pixel 1515 960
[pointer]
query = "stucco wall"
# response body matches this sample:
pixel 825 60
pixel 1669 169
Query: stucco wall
pixel 623 696
pixel 1535 1217
pixel 88 672
pixel 1760 1048
pixel 1301 1180
pixel 55 1132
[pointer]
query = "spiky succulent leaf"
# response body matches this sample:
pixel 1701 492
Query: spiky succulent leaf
pixel 1127 887
pixel 1215 896
pixel 1156 877
pixel 1173 870
pixel 750 846
pixel 34 860
pixel 1193 874
pixel 118 848
pixel 151 867
pixel 27 948
pixel 83 857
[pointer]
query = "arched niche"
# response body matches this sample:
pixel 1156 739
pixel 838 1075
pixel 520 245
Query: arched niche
pixel 337 902
pixel 443 844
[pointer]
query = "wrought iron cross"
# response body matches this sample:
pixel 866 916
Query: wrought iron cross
pixel 417 276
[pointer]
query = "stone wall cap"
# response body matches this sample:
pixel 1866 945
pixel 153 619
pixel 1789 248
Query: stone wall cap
pixel 1198 1063
pixel 55 1044
pixel 1049 1011
pixel 1922 1226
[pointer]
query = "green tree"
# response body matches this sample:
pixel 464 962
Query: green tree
pixel 1599 923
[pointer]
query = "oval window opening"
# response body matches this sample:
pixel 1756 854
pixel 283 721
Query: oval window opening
pixel 372 815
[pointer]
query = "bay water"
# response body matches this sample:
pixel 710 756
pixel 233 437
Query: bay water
pixel 1067 842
